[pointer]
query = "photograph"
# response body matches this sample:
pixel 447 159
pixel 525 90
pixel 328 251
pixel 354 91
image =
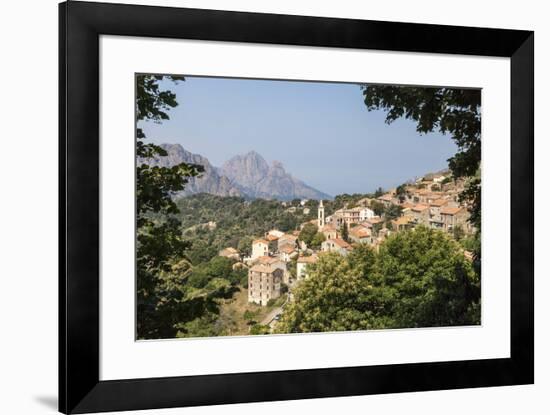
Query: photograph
pixel 289 206
pixel 232 207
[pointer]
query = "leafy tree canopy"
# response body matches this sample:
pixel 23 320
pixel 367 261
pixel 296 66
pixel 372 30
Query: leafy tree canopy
pixel 344 232
pixel 317 240
pixel 419 278
pixel 307 233
pixel 165 301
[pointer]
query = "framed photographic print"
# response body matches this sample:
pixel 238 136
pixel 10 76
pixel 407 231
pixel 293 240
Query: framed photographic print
pixel 261 207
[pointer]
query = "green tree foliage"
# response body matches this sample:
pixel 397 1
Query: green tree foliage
pixel 308 233
pixel 431 282
pixel 453 111
pixel 217 267
pixel 165 301
pixel 419 278
pixel 317 240
pixel 393 212
pixel 344 232
pixel 458 233
pixel 377 227
pixel 238 223
pixel 379 192
pixel 245 245
pixel 334 297
pixel 401 192
pixel 259 329
pixel 377 207
pixel 291 267
pixel 204 326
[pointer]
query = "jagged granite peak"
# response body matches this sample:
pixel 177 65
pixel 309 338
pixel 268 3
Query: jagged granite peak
pixel 247 175
pixel 246 169
pixel 259 179
pixel 209 181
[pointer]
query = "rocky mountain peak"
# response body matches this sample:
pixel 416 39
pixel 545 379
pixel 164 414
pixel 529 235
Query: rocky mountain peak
pixel 247 175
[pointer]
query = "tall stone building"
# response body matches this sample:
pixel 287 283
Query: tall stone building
pixel 264 283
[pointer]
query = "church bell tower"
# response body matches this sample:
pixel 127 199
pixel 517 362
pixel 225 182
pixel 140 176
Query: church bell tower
pixel 321 215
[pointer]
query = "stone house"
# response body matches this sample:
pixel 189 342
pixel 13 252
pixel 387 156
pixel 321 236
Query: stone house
pixel 264 284
pixel 286 240
pixel 421 214
pixel 275 232
pixel 287 252
pixel 402 223
pixel 361 234
pixel 336 245
pixel 330 231
pixel 435 212
pixel 350 216
pixel 387 200
pixel 260 247
pixel 453 217
pixel 275 261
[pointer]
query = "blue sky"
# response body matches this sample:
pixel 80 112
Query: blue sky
pixel 321 132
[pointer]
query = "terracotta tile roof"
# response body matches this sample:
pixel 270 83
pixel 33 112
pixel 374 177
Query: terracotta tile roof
pixel 260 241
pixel 289 237
pixel 450 210
pixel 271 237
pixel 340 242
pixel 360 232
pixel 385 197
pixel 229 251
pixel 403 220
pixel 439 202
pixel 265 259
pixel 287 249
pixel 262 268
pixel 419 208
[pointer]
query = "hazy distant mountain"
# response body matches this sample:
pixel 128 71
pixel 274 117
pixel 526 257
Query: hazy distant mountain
pixel 209 182
pixel 247 175
pixel 259 179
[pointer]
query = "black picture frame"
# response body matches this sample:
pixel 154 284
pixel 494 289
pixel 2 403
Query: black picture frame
pixel 81 25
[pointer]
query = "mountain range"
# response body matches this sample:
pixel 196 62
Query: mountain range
pixel 247 175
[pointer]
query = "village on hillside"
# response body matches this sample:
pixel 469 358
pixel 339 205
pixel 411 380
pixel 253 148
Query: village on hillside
pixel 279 260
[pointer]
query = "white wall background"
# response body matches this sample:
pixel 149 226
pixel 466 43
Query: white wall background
pixel 28 205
